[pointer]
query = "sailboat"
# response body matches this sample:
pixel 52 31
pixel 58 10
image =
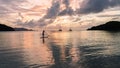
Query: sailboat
pixel 70 29
pixel 60 30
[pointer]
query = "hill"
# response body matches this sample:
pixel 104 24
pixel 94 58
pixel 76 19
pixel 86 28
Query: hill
pixel 22 29
pixel 109 26
pixel 6 28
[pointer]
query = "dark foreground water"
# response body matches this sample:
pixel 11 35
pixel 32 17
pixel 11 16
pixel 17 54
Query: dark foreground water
pixel 77 49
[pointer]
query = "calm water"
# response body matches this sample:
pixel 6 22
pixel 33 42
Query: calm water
pixel 77 49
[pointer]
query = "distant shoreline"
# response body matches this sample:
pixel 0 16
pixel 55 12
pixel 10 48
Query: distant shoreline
pixel 109 26
pixel 4 27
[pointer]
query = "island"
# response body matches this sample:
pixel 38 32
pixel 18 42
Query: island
pixel 4 27
pixel 22 29
pixel 109 26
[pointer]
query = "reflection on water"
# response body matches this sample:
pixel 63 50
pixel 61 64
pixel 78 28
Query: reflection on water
pixel 79 49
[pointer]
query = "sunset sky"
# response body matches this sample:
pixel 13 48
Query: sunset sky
pixel 80 14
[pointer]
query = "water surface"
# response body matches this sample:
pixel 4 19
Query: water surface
pixel 76 49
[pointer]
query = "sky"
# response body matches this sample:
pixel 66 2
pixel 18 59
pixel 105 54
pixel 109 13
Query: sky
pixel 52 14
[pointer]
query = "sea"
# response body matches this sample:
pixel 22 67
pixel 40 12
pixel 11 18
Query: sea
pixel 65 49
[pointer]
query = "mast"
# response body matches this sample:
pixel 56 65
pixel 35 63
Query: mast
pixel 70 27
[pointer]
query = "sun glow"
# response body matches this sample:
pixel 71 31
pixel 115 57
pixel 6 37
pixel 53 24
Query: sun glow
pixel 46 12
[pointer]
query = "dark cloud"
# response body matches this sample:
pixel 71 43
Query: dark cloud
pixel 68 11
pixel 53 10
pixel 51 14
pixel 94 6
pixel 114 2
pixel 67 3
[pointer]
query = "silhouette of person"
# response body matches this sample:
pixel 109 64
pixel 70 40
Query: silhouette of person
pixel 43 33
pixel 43 36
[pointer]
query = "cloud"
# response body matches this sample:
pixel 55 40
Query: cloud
pixel 51 14
pixel 21 16
pixel 68 10
pixel 12 2
pixel 94 6
pixel 3 9
pixel 29 24
pixel 10 6
pixel 34 14
pixel 13 6
pixel 9 10
pixel 111 16
pixel 115 18
pixel 53 10
pixel 67 3
pixel 48 18
pixel 117 15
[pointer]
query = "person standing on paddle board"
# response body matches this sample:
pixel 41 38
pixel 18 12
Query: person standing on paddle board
pixel 43 33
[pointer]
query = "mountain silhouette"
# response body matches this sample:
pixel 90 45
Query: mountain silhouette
pixel 22 29
pixel 6 28
pixel 109 26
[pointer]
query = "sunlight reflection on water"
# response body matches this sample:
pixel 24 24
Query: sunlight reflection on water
pixel 76 49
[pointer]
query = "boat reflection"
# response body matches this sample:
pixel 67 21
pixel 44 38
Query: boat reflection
pixel 67 52
pixel 62 52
